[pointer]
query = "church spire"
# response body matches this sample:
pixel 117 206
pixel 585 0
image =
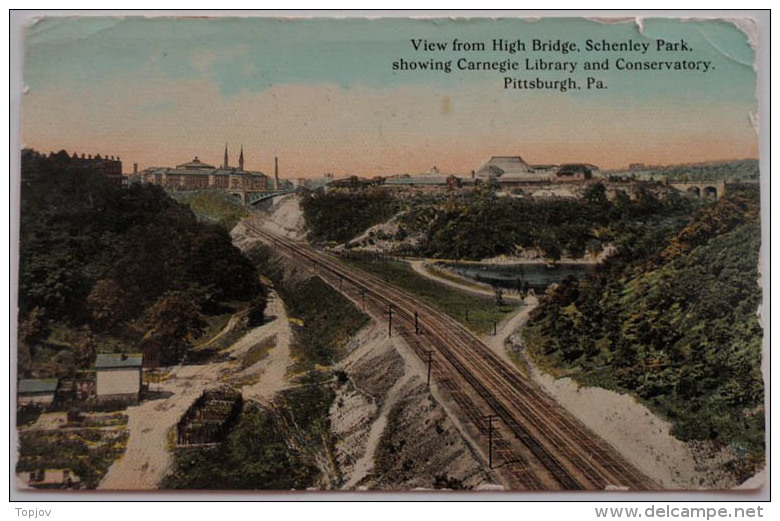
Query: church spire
pixel 241 159
pixel 225 161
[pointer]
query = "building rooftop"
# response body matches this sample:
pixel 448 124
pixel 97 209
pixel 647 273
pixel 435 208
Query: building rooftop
pixel 498 165
pixel 110 360
pixel 195 164
pixel 421 180
pixel 47 385
pixel 199 171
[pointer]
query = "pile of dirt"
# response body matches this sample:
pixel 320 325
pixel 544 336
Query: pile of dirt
pixel 372 368
pixel 421 448
pixel 384 237
pixel 285 217
pixel 384 417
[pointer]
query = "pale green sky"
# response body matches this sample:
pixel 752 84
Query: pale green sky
pixel 323 96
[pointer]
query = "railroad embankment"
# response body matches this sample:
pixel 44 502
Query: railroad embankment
pixel 356 413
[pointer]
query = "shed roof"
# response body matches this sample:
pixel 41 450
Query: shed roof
pixel 45 385
pixel 111 360
pixel 426 180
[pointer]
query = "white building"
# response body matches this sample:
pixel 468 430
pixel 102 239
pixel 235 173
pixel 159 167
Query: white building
pixel 119 376
pixel 36 391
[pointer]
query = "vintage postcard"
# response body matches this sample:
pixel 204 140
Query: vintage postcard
pixel 460 253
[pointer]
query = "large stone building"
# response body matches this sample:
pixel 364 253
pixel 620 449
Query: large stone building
pixel 197 175
pixel 109 166
pixel 506 170
pixel 509 169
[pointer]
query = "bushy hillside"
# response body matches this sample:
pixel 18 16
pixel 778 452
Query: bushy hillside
pixel 213 206
pixel 673 322
pixel 101 264
pixel 483 225
pixel 339 216
pixel 732 170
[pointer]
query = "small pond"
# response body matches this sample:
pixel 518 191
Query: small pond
pixel 511 276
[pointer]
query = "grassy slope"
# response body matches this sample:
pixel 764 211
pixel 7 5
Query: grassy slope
pixel 475 312
pixel 213 207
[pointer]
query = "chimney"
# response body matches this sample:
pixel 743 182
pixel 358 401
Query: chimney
pixel 276 173
pixel 472 174
pixel 135 168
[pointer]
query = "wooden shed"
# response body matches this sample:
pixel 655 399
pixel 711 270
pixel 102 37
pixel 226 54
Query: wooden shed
pixel 36 391
pixel 119 376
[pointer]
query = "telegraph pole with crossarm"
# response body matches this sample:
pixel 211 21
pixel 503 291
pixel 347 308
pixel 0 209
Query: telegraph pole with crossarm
pixel 389 320
pixel 490 438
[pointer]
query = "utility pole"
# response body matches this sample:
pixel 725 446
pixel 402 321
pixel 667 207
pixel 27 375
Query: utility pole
pixel 490 438
pixel 494 327
pixel 389 321
pixel 430 362
pixel 416 324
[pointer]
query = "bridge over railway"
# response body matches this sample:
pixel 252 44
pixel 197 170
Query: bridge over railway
pixel 253 197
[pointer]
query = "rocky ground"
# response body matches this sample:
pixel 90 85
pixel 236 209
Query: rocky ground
pixel 393 432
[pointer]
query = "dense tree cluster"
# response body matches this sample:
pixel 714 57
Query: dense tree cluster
pixel 671 318
pixel 483 225
pixel 341 215
pixel 126 262
pixel 732 170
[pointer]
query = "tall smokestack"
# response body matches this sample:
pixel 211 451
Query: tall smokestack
pixel 276 173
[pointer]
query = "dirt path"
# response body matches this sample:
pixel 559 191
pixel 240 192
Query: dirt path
pixel 231 324
pixel 419 267
pixel 148 455
pixel 272 369
pixel 497 343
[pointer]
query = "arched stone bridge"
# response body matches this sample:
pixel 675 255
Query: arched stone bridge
pixel 249 198
pixel 708 189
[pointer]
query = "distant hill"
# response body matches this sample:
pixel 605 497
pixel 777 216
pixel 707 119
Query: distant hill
pixel 705 171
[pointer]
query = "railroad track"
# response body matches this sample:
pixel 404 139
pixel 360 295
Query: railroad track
pixel 540 445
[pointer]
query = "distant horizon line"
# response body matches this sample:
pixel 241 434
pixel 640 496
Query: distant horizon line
pixel 648 166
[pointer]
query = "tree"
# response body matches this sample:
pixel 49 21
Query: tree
pixel 171 323
pixel 257 309
pixel 31 332
pixel 107 303
pixel 84 348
